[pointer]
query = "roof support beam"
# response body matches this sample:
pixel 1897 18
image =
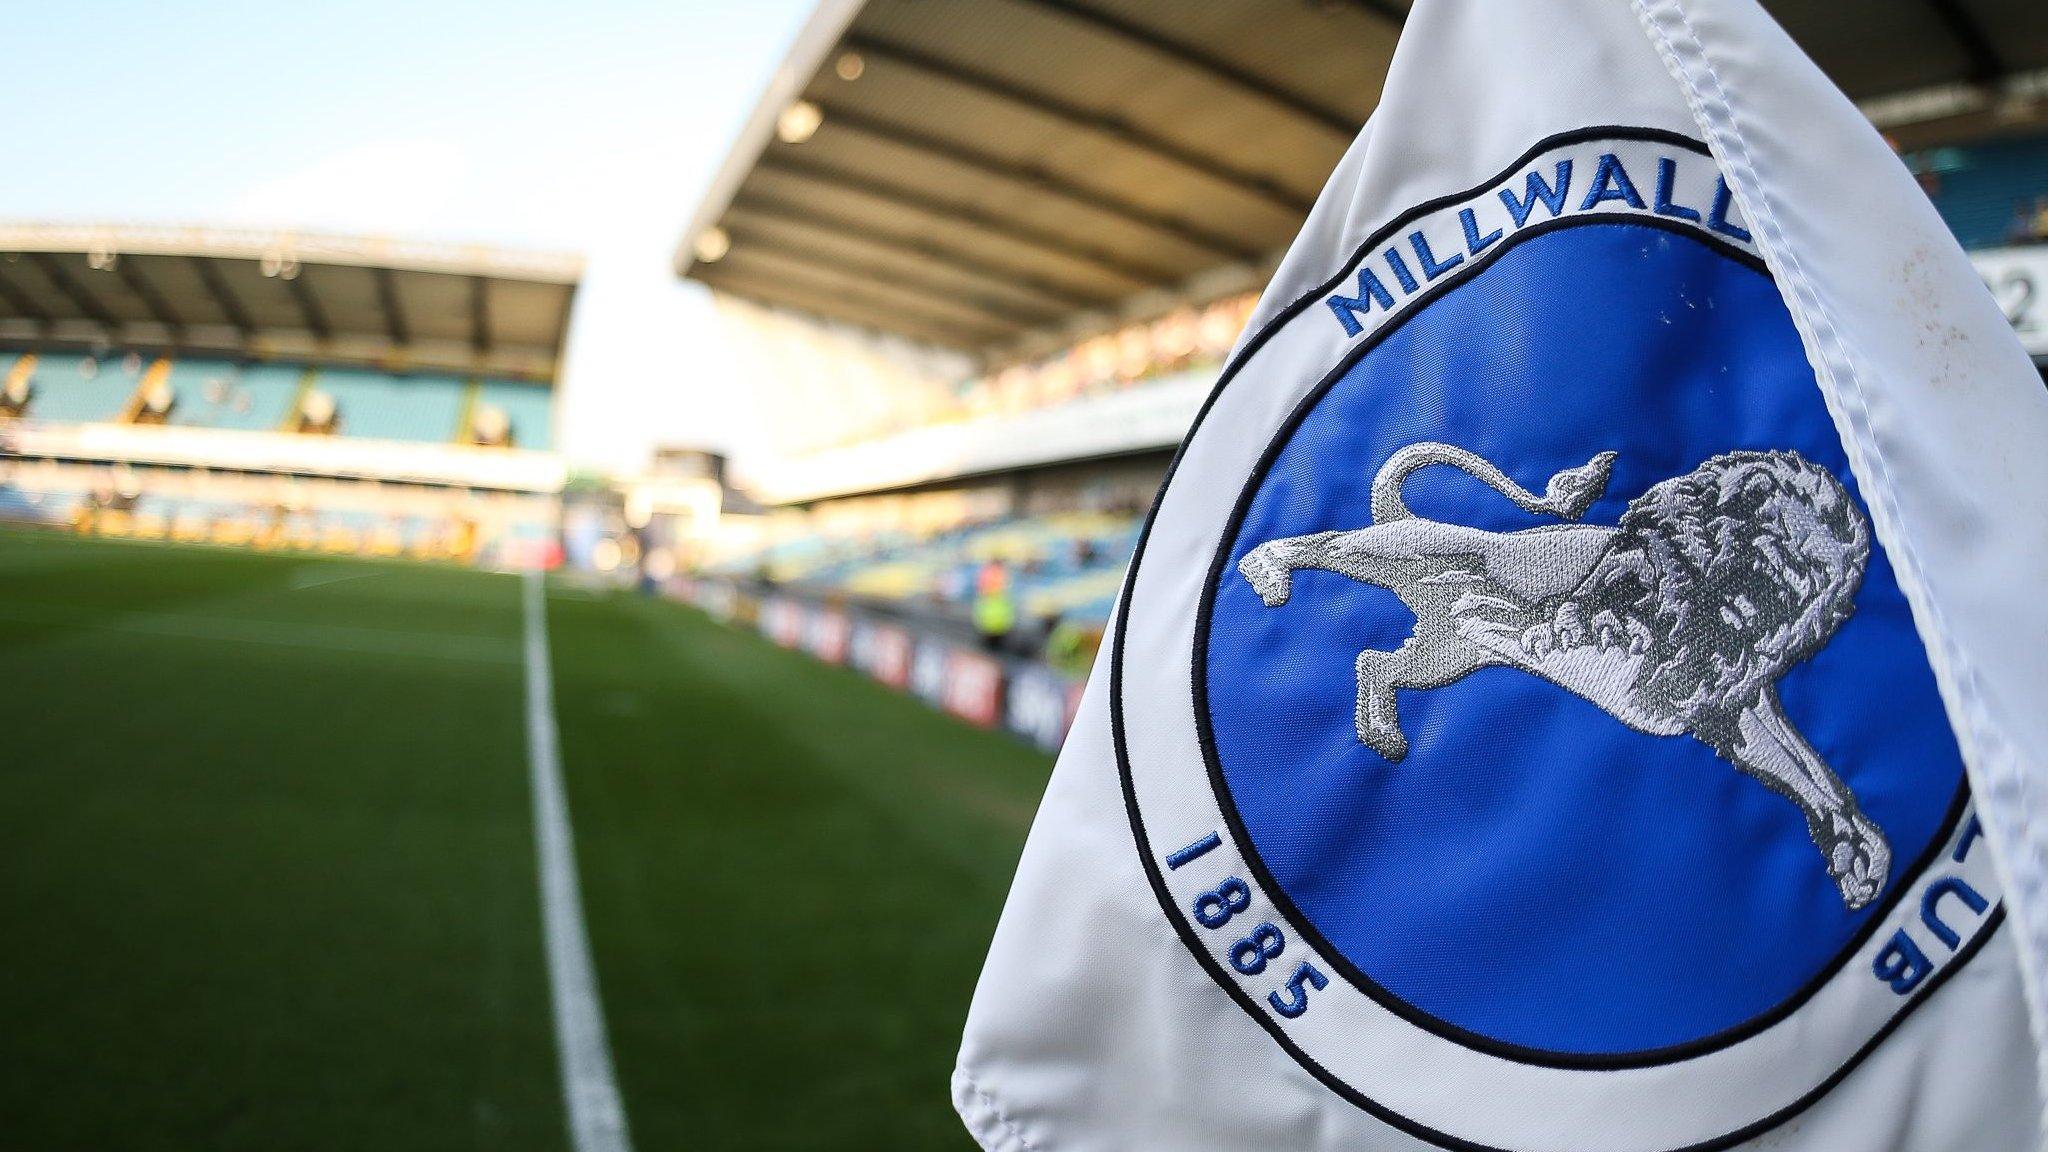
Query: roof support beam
pixel 72 290
pixel 1986 64
pixel 160 309
pixel 1215 168
pixel 952 313
pixel 776 292
pixel 309 306
pixel 837 117
pixel 1115 265
pixel 394 315
pixel 223 297
pixel 1385 10
pixel 953 259
pixel 1005 311
pixel 1194 59
pixel 561 340
pixel 479 315
pixel 21 302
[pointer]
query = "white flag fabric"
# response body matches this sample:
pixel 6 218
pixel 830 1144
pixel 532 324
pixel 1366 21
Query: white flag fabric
pixel 1581 688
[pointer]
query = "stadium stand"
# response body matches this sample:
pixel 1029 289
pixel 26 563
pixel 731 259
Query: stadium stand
pixel 221 394
pixel 76 388
pixel 973 280
pixel 1065 565
pixel 290 391
pixel 382 406
pixel 528 411
pixel 1992 192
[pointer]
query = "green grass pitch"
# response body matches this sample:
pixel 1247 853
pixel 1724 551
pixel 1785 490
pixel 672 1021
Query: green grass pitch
pixel 267 865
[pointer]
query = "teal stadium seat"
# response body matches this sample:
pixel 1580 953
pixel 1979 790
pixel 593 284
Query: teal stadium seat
pixel 65 391
pixel 1980 185
pixel 382 406
pixel 530 407
pixel 219 394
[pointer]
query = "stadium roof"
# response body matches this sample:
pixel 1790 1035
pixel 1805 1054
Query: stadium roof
pixel 992 174
pixel 286 295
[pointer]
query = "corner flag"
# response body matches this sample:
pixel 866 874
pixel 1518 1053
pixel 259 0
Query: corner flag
pixel 1582 685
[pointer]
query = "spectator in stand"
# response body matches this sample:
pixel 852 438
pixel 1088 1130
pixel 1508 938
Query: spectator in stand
pixel 2029 222
pixel 995 605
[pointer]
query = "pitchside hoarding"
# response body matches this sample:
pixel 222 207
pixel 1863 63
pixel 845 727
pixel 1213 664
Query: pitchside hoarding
pixel 1018 696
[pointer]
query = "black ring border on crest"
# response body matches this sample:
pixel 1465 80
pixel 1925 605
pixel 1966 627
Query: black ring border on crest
pixel 1523 1054
pixel 1576 1061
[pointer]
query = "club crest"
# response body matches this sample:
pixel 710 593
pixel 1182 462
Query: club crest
pixel 1548 725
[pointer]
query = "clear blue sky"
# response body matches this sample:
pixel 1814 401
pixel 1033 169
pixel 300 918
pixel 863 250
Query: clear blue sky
pixel 589 126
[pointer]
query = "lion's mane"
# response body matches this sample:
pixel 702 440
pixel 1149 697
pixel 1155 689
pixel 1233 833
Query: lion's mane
pixel 1735 571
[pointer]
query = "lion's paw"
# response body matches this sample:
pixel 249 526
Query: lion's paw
pixel 1859 859
pixel 1270 578
pixel 1388 740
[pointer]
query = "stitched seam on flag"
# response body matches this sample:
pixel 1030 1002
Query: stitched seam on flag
pixel 1976 728
pixel 1979 729
pixel 1996 757
pixel 995 1111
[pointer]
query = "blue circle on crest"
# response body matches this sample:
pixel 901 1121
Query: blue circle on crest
pixel 1535 877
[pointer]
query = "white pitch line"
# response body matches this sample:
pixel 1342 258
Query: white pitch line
pixel 597 1117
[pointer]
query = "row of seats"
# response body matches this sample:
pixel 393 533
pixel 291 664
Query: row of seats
pixel 1064 567
pixel 73 389
pixel 20 507
pixel 1988 191
pixel 211 394
pixel 63 387
pixel 341 531
pixel 380 406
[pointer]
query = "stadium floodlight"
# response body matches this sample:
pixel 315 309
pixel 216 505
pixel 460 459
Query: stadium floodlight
pixel 712 244
pixel 799 122
pixel 278 264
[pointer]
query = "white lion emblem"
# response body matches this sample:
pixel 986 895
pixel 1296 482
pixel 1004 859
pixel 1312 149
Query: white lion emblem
pixel 1680 620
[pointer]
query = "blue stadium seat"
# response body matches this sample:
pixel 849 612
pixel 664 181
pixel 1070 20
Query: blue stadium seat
pixel 530 407
pixel 382 406
pixel 66 390
pixel 219 394
pixel 1978 187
